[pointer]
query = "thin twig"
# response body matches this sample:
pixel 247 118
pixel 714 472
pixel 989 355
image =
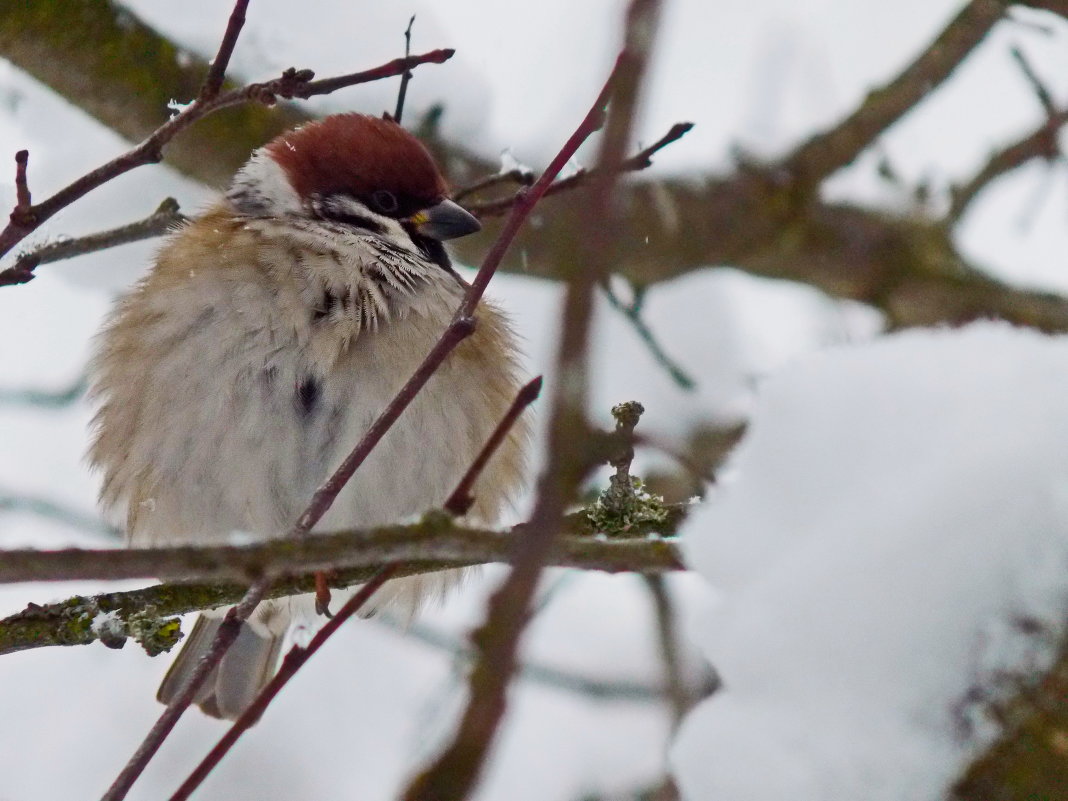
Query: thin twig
pixel 639 161
pixel 1041 143
pixel 633 313
pixel 159 222
pixel 293 661
pixel 225 637
pixel 454 774
pixel 517 176
pixel 51 510
pixel 407 76
pixel 674 684
pixel 1042 92
pixel 459 502
pixel 292 83
pixel 217 74
pixel 23 200
pixel 593 688
pixel 46 398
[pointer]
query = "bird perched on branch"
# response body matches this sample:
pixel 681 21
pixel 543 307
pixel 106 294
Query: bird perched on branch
pixel 267 337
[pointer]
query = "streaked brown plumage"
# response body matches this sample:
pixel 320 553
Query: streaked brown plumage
pixel 238 374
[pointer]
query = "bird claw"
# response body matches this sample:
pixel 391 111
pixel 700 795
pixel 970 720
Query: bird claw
pixel 322 595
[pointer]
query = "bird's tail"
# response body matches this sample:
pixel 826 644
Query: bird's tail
pixel 235 682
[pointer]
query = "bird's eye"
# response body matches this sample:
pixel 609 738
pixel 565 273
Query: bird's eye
pixel 385 202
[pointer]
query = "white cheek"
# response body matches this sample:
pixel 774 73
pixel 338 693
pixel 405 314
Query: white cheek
pixel 261 187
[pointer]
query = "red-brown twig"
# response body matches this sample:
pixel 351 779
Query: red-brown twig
pixel 293 661
pixel 228 632
pixel 518 176
pixel 461 499
pixel 217 74
pixel 22 186
pixel 292 83
pixel 454 774
pixel 459 502
pixel 639 161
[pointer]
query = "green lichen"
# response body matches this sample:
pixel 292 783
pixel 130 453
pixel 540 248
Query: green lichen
pixel 155 634
pixel 626 510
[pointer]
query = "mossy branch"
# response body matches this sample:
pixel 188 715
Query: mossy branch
pixel 434 543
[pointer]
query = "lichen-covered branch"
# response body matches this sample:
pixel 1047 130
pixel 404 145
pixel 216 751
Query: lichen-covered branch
pixel 432 544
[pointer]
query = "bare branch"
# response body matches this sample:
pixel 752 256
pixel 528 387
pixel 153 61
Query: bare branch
pixel 217 74
pixel 828 152
pixel 436 538
pixel 590 687
pixel 633 313
pixel 159 222
pixel 293 661
pixel 1041 143
pixel 459 329
pixel 639 161
pixel 459 502
pixel 675 685
pixel 51 510
pixel 138 613
pixel 517 176
pixel 292 83
pixel 1042 92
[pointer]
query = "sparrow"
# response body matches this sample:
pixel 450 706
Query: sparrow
pixel 265 339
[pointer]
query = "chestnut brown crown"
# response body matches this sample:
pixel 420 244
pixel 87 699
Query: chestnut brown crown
pixel 358 154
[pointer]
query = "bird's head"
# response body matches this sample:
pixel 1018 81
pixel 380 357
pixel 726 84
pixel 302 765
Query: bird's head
pixel 352 170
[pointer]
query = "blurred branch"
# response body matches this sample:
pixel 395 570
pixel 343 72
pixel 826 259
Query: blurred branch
pixel 453 775
pixel 678 694
pixel 1040 143
pixel 56 399
pixel 828 152
pixel 633 313
pixel 50 510
pixel 595 689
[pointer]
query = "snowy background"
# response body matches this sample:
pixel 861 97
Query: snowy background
pixel 895 507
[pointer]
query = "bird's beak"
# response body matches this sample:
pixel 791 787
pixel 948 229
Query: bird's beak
pixel 446 220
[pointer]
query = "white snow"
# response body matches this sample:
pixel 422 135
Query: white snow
pixel 895 510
